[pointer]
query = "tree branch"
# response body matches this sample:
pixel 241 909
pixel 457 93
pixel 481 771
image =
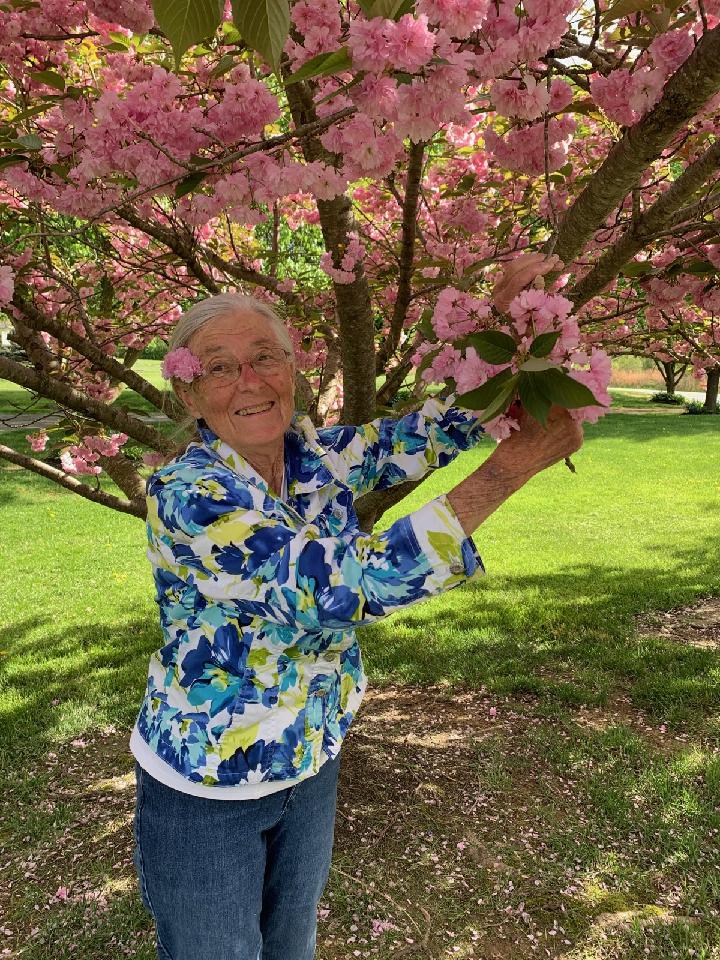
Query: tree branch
pixel 647 226
pixel 407 252
pixel 354 309
pixel 690 87
pixel 66 396
pixel 134 507
pixel 86 348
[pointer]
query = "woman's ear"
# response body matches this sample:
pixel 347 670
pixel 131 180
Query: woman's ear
pixel 187 397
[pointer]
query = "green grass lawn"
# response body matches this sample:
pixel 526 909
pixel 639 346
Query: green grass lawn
pixel 15 400
pixel 599 779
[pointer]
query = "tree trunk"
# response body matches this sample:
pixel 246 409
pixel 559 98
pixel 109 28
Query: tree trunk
pixel 668 372
pixel 711 390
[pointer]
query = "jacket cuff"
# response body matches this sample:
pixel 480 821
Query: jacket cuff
pixel 451 554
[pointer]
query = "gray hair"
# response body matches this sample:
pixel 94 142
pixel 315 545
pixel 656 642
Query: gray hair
pixel 223 305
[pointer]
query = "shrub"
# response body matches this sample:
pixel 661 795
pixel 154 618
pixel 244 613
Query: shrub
pixel 696 407
pixel 155 350
pixel 666 398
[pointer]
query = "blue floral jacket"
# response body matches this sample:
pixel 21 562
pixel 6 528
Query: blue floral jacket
pixel 260 673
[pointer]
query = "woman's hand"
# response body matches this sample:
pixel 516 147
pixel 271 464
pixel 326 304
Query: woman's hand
pixel 533 447
pixel 525 453
pixel 520 273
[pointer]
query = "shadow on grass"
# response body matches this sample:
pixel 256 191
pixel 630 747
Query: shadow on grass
pixel 59 684
pixel 567 635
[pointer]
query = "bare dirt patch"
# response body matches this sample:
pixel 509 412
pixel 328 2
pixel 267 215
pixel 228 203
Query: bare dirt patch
pixel 463 831
pixel 697 625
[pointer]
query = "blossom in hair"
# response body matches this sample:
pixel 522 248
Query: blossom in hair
pixel 181 364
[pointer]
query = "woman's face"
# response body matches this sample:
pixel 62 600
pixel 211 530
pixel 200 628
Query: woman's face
pixel 226 409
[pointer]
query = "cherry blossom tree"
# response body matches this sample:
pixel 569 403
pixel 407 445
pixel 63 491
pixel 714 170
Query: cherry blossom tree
pixel 368 168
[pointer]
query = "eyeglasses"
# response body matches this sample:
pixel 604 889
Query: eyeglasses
pixel 221 373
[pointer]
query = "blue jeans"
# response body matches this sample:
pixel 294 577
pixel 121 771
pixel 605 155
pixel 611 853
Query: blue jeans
pixel 235 879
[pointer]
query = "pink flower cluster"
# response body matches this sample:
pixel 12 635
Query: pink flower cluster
pixel 626 97
pixel 38 441
pixel 83 457
pixel 181 364
pixel 527 99
pixel 246 107
pixel 403 45
pixel 532 313
pixel 458 17
pixel 345 272
pixel 457 313
pixel 319 24
pixel 670 50
pixel 523 149
pixel 7 285
pixel 135 15
pixel 365 149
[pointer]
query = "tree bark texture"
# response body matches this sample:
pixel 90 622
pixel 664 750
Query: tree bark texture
pixel 711 391
pixel 697 80
pixel 352 300
pixel 660 216
pixel 66 396
pixel 134 507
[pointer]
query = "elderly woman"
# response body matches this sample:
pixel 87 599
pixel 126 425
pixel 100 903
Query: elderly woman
pixel 262 576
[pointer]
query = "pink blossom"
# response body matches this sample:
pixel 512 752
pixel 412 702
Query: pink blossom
pixel 501 427
pixel 345 271
pixel 457 313
pixel 376 95
pixel 7 285
pixel 539 310
pixel 470 372
pixel 368 43
pixel 409 43
pixel 624 96
pixel 181 364
pixel 671 49
pixel 524 98
pixel 458 17
pixel 136 15
pixel 38 441
pixel 153 459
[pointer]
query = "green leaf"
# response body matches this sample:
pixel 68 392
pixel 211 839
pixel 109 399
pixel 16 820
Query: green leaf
pixel 389 9
pixel 493 346
pixel 189 183
pixel 536 365
pixel 11 159
pixel 323 65
pixel 638 268
pixel 186 22
pixel 481 397
pixel 264 25
pixel 30 141
pixel 543 344
pixel 425 326
pixel 533 399
pixel 623 8
pixel 47 104
pixel 561 389
pixel 501 402
pixel 225 63
pixel 50 78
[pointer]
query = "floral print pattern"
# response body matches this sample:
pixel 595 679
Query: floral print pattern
pixel 260 673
